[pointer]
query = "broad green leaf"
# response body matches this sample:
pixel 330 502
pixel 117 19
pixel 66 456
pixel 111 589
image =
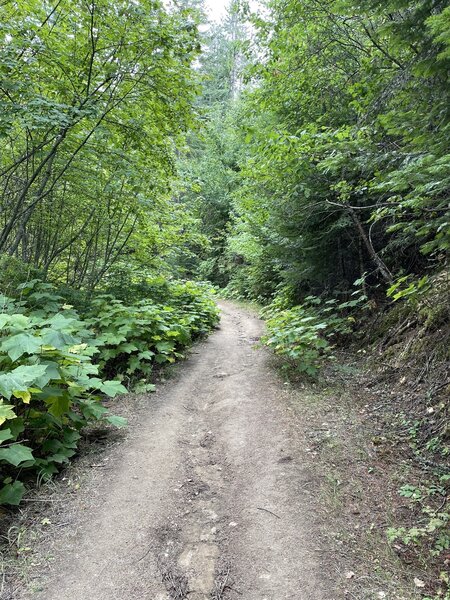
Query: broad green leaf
pixel 16 426
pixel 19 321
pixel 143 387
pixel 58 406
pixel 112 388
pixel 162 358
pixel 77 348
pixel 117 421
pixel 60 322
pixel 6 412
pixel 146 355
pixel 127 347
pixel 16 454
pixel 5 435
pixel 61 457
pixel 52 372
pixel 19 344
pixel 57 339
pixel 93 410
pixel 24 395
pixel 164 347
pixel 21 378
pixel 134 363
pixel 12 493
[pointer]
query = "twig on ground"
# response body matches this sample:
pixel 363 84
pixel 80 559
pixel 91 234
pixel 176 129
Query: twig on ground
pixel 268 511
pixel 144 555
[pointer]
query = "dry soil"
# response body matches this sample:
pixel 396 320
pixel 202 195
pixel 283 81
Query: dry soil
pixel 209 498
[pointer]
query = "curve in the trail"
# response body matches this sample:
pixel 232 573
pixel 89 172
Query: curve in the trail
pixel 208 497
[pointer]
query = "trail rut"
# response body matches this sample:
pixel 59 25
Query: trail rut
pixel 209 498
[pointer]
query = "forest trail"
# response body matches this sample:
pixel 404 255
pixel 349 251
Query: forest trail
pixel 209 498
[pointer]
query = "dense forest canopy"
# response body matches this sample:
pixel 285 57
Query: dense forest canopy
pixel 330 162
pixel 302 145
pixel 94 97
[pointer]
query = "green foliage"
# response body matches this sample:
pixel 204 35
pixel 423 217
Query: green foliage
pixel 49 388
pixel 406 288
pixel 54 367
pixel 209 166
pixel 304 335
pixel 341 163
pixel 433 526
pixel 14 272
pixel 94 99
pixel 428 298
pixel 132 338
pixel 296 335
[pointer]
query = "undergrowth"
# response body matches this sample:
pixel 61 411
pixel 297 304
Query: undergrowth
pixel 305 335
pixel 406 343
pixel 415 352
pixel 58 363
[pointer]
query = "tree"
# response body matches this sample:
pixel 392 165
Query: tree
pixel 346 168
pixel 93 97
pixel 209 167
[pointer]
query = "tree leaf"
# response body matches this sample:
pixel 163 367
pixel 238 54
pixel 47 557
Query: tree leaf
pixel 19 344
pixel 112 388
pixel 58 406
pixel 16 454
pixel 5 434
pixel 12 493
pixel 117 421
pixel 21 378
pixel 6 412
pixel 24 395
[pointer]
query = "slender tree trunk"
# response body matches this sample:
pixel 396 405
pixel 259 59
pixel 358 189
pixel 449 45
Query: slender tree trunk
pixel 385 273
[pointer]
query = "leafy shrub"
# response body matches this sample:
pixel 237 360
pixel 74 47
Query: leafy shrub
pixel 13 273
pixel 49 390
pixel 406 288
pixel 296 336
pixel 132 338
pixel 195 301
pixel 136 285
pixel 431 530
pixel 303 335
pixel 53 365
pixel 434 526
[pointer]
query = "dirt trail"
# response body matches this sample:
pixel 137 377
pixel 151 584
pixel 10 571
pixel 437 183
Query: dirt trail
pixel 207 499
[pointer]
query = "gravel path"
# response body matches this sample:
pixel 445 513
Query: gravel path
pixel 209 498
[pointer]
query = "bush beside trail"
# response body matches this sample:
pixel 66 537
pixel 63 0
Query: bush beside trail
pixel 56 365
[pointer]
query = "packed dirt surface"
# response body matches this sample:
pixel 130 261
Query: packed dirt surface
pixel 208 498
